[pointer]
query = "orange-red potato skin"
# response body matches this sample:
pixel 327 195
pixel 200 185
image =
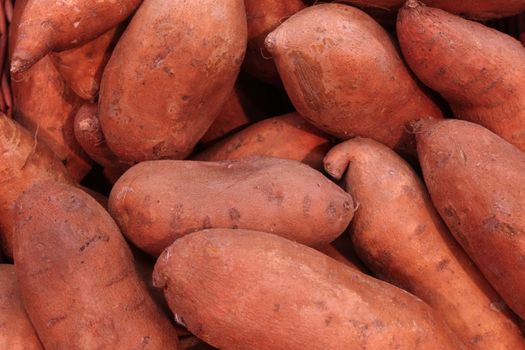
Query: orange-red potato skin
pixel 157 202
pixel 478 70
pixel 298 298
pixel 474 178
pixel 400 236
pixel 50 25
pixel 16 330
pixel 77 277
pixel 263 17
pixel 23 162
pixel 344 74
pixel 82 67
pixel 183 77
pixel 288 136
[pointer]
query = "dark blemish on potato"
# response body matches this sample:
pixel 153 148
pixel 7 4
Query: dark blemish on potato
pixel 185 98
pixel 119 278
pixel 73 203
pixel 442 265
pixel 160 149
pixel 145 340
pixel 206 223
pixel 103 238
pixel 234 214
pixel 450 213
pixel 321 305
pixel 328 320
pixel 136 305
pixel 331 210
pixel 309 74
pixel 307 203
pixel 420 229
pixel 493 225
pixel 276 307
pixel 442 160
pixel 477 339
pixel 260 138
pixel 276 197
pixel 53 321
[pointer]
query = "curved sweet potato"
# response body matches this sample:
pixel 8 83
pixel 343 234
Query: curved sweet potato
pixel 373 96
pixel 157 202
pixel 288 137
pixel 400 236
pixel 82 67
pixel 16 331
pixel 77 278
pixel 23 162
pixel 298 298
pixel 473 75
pixel 183 77
pixel 263 17
pixel 49 25
pixel 474 178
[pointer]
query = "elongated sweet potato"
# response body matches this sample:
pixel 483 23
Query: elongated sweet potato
pixel 23 162
pixel 298 298
pixel 183 77
pixel 263 17
pixel 288 137
pixel 473 75
pixel 16 330
pixel 82 67
pixel 474 178
pixel 156 202
pixel 49 25
pixel 344 74
pixel 400 236
pixel 77 278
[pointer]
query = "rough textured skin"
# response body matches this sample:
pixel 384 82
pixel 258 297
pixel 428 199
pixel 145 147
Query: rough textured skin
pixel 298 297
pixel 157 202
pixel 16 331
pixel 23 162
pixel 263 17
pixel 82 67
pixel 400 236
pixel 50 25
pixel 474 178
pixel 288 137
pixel 342 88
pixel 89 135
pixel 468 64
pixel 77 277
pixel 183 77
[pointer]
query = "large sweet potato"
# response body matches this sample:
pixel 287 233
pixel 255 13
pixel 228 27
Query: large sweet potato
pixel 156 202
pixel 77 278
pixel 48 25
pixel 23 162
pixel 263 17
pixel 475 179
pixel 16 330
pixel 344 74
pixel 400 236
pixel 239 289
pixel 169 76
pixel 478 70
pixel 288 137
pixel 82 67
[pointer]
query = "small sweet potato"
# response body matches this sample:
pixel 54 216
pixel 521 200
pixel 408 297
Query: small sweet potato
pixel 50 25
pixel 157 202
pixel 474 178
pixel 263 17
pixel 161 92
pixel 344 74
pixel 288 137
pixel 23 162
pixel 77 277
pixel 16 330
pixel 239 289
pixel 82 66
pixel 478 70
pixel 400 236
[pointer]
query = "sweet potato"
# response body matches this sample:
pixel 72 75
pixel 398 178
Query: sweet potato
pixel 472 74
pixel 298 298
pixel 474 178
pixel 49 25
pixel 16 331
pixel 77 277
pixel 183 77
pixel 344 74
pixel 156 202
pixel 288 137
pixel 82 66
pixel 400 236
pixel 263 17
pixel 23 162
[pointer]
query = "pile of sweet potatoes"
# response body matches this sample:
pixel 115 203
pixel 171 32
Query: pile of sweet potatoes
pixel 262 174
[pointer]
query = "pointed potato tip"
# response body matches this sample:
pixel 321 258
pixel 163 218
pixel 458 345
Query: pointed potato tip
pixel 412 4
